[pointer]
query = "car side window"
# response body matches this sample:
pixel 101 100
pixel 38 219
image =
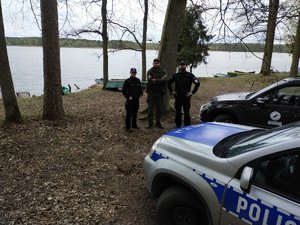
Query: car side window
pixel 280 175
pixel 284 96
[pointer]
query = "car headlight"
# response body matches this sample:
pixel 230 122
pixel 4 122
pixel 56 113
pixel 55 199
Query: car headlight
pixel 154 146
pixel 205 106
pixel 152 154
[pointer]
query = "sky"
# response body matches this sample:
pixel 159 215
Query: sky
pixel 20 21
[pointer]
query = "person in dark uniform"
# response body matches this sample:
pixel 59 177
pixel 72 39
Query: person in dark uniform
pixel 132 91
pixel 183 82
pixel 157 79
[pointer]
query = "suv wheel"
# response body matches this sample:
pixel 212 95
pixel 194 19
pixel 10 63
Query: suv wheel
pixel 224 118
pixel 178 206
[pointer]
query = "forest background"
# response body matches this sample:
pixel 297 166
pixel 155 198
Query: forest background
pixel 121 44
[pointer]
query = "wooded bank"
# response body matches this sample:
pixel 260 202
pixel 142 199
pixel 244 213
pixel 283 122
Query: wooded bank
pixel 117 44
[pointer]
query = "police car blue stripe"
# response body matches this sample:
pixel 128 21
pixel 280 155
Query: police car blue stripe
pixel 254 211
pixel 157 156
pixel 246 207
pixel 206 133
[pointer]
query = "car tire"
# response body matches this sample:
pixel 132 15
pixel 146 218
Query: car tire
pixel 179 206
pixel 225 118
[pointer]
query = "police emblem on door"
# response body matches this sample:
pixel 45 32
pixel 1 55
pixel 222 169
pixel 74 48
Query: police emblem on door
pixel 275 116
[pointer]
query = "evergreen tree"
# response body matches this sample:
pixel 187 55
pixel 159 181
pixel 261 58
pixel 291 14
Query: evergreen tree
pixel 193 43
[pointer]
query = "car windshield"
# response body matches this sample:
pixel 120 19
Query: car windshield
pixel 267 88
pixel 247 141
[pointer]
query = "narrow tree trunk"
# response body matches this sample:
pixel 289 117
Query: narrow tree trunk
pixel 271 26
pixel 105 42
pixel 170 39
pixel 296 52
pixel 53 108
pixel 12 112
pixel 144 43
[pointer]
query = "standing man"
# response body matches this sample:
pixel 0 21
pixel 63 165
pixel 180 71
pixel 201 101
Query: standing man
pixel 157 79
pixel 182 93
pixel 132 91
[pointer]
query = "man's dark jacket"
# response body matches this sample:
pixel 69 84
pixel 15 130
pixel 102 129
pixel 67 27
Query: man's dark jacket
pixel 132 88
pixel 183 83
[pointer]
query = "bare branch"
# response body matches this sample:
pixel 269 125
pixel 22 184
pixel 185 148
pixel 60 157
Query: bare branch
pixel 34 15
pixel 126 29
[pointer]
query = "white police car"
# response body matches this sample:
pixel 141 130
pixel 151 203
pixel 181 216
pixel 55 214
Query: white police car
pixel 218 173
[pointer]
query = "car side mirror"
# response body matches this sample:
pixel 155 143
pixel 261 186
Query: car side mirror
pixel 246 178
pixel 260 101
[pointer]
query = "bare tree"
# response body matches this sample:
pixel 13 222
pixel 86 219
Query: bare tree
pixel 246 20
pixel 296 51
pixel 144 44
pixel 100 27
pixel 271 26
pixel 256 15
pixel 52 108
pixel 12 112
pixel 116 26
pixel 105 42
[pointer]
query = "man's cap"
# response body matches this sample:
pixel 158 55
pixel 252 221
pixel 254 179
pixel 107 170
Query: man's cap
pixel 156 60
pixel 133 70
pixel 182 63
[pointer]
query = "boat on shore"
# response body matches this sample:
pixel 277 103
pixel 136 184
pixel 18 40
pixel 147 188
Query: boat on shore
pixel 246 72
pixel 23 94
pixel 99 80
pixel 117 84
pixel 65 90
pixel 238 72
pixel 223 75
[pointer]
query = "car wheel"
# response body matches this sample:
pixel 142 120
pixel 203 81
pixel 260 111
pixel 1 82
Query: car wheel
pixel 225 118
pixel 179 206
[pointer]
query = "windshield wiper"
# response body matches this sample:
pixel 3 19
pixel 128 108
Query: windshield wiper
pixel 248 95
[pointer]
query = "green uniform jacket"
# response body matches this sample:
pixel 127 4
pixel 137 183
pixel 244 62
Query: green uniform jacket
pixel 157 79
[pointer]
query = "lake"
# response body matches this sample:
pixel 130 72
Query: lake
pixel 81 66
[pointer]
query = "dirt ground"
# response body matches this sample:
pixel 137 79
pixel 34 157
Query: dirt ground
pixel 85 169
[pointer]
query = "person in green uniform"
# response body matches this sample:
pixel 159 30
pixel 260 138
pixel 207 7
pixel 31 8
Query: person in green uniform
pixel 156 89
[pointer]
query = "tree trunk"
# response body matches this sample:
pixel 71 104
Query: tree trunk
pixel 296 52
pixel 105 42
pixel 271 26
pixel 12 112
pixel 170 39
pixel 145 27
pixel 52 108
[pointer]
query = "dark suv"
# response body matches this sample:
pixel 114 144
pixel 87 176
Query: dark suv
pixel 275 105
